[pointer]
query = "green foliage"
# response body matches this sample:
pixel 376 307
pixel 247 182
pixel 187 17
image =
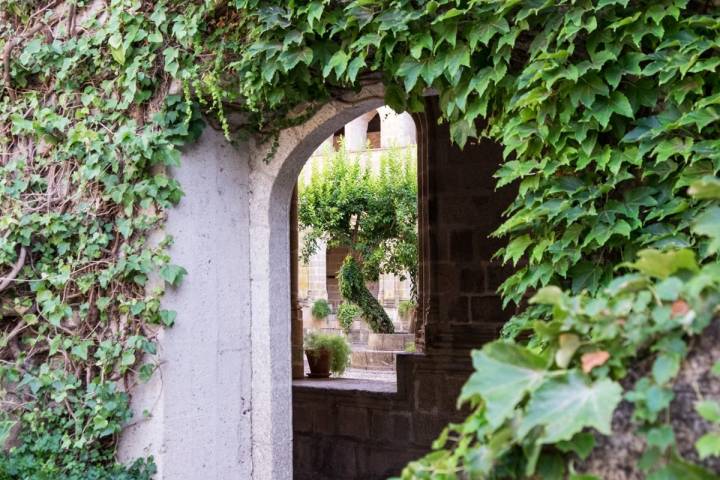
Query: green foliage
pixel 87 133
pixel 709 410
pixel 346 315
pixel 338 347
pixel 406 307
pixel 320 309
pixel 529 401
pixel 61 440
pixel 352 287
pixel 373 214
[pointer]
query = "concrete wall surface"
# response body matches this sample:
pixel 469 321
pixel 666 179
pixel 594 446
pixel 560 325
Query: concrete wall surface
pixel 200 399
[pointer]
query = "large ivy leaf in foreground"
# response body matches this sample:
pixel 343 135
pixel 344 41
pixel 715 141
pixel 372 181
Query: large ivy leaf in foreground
pixel 504 373
pixel 567 404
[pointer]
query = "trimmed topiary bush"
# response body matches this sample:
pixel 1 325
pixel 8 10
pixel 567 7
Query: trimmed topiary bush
pixel 321 309
pixel 346 315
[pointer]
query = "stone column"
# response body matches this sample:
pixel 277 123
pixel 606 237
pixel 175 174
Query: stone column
pixel 396 129
pixel 317 265
pixel 356 132
pixel 296 317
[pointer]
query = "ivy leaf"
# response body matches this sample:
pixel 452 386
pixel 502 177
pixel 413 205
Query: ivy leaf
pixel 665 367
pixel 706 188
pixel 661 437
pixel 550 295
pixel 504 373
pixel 564 406
pixel 167 317
pixel 581 443
pixel 355 66
pixel 337 63
pixel 568 345
pixel 128 358
pixel 80 350
pixel 173 274
pixel 708 445
pixel 594 359
pixel 587 89
pixel 410 69
pixel 709 410
pixel 621 105
pixel 461 130
pixel 516 248
pixel 314 12
pixel 585 276
pixel 661 265
pixel 457 57
pixel 708 223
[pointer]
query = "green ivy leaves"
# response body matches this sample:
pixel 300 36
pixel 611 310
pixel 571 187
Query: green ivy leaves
pixel 91 130
pixel 505 373
pixel 565 405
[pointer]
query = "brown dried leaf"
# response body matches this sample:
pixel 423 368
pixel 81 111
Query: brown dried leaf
pixel 594 359
pixel 680 308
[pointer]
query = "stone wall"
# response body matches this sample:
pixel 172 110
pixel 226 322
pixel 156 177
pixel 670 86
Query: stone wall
pixel 463 308
pixel 362 434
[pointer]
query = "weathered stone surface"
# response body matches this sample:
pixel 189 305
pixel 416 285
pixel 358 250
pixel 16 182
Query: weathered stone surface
pixel 393 342
pixel 615 457
pixel 354 422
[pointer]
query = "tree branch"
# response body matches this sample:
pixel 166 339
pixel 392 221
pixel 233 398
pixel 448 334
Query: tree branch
pixel 14 272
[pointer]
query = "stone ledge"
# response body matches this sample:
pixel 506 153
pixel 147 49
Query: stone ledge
pixel 344 385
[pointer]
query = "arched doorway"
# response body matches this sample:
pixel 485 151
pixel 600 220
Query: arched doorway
pixel 221 407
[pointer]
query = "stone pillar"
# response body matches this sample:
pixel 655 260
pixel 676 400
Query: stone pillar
pixel 317 265
pixel 356 132
pixel 296 326
pixel 396 129
pixel 201 399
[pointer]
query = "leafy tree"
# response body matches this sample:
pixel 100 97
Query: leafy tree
pixel 373 214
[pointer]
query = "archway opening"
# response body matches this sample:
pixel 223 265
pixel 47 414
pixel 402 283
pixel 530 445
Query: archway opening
pixel 357 200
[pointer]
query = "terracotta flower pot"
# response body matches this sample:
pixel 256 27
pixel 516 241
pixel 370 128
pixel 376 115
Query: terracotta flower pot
pixel 319 361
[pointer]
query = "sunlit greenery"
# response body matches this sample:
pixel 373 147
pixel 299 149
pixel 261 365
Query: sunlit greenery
pixel 371 211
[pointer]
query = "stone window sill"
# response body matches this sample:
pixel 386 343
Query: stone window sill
pixel 345 385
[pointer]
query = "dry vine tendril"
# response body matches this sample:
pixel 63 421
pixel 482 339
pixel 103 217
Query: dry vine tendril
pixel 608 111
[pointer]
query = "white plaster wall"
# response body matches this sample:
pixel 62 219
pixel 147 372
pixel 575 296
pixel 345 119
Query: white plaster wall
pixel 200 400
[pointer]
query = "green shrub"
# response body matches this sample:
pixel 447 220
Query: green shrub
pixel 346 314
pixel 321 309
pixel 337 345
pixel 406 307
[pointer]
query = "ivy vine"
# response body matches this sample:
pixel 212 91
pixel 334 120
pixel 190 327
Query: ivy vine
pixel 608 111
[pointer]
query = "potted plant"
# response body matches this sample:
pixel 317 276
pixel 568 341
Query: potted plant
pixel 326 353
